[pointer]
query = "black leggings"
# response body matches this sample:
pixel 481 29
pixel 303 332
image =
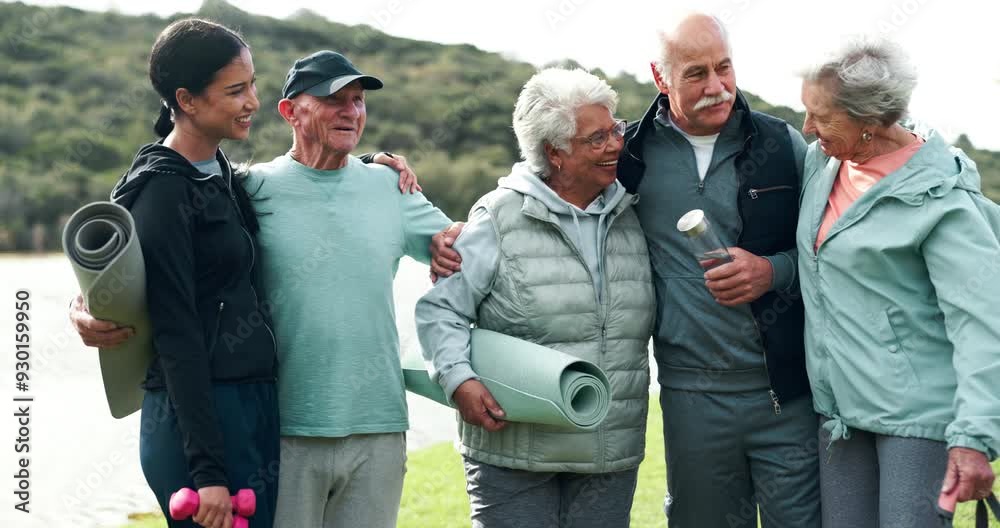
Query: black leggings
pixel 248 414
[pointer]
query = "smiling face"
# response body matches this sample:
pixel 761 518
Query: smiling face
pixel 839 136
pixel 334 122
pixel 585 167
pixel 702 82
pixel 225 107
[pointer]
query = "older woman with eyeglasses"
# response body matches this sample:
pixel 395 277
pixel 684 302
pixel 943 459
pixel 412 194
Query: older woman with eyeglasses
pixel 898 258
pixel 554 255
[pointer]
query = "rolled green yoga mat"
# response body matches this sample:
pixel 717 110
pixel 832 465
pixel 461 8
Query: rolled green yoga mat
pixel 102 246
pixel 532 383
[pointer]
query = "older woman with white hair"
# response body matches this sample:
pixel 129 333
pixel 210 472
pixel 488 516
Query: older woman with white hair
pixel 898 258
pixel 554 255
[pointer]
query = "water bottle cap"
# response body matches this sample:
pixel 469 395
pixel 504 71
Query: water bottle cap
pixel 692 223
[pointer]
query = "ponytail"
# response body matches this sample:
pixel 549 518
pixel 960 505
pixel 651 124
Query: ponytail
pixel 164 124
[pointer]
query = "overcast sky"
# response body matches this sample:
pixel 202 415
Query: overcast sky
pixel 949 40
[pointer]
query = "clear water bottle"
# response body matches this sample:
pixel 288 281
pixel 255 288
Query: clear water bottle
pixel 705 243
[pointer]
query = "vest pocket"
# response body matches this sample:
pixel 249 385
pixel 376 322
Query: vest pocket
pixel 755 193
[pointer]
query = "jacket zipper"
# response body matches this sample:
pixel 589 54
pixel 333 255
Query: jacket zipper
pixel 601 302
pixel 256 301
pixel 253 253
pixel 760 335
pixel 755 193
pixel 604 320
pixel 693 158
pixel 604 286
pixel 770 388
pixel 215 334
pixel 774 396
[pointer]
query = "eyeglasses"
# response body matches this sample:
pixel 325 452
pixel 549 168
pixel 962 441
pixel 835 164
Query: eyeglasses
pixel 598 140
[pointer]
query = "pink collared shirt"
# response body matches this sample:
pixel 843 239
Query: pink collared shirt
pixel 854 179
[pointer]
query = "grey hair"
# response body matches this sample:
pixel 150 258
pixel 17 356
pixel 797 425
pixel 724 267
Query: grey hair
pixel 663 60
pixel 545 112
pixel 871 79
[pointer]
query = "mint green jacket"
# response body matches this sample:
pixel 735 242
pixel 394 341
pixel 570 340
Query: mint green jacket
pixel 902 320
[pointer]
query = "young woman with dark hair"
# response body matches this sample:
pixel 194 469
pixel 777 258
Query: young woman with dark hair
pixel 210 416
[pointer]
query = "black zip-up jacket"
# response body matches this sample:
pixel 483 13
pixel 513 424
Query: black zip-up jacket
pixel 208 325
pixel 765 161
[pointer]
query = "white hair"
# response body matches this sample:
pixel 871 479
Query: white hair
pixel 663 60
pixel 545 112
pixel 871 79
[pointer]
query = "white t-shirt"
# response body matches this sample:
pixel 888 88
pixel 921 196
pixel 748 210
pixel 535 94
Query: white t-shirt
pixel 703 147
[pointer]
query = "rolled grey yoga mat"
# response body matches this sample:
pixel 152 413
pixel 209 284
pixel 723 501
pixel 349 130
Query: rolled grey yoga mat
pixel 532 383
pixel 102 246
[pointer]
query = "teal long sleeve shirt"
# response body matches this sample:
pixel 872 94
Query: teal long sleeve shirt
pixel 330 244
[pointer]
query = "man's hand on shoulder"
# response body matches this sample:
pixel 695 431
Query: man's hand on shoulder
pixel 407 178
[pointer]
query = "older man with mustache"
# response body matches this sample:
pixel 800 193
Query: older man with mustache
pixel 737 413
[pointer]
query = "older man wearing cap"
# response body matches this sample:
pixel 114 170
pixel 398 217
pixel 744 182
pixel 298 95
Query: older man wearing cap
pixel 332 232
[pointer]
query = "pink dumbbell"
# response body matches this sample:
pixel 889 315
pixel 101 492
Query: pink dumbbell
pixel 184 503
pixel 244 502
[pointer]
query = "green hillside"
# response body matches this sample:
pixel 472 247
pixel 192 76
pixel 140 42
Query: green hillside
pixel 75 105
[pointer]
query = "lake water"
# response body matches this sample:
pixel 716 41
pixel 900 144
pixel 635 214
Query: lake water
pixel 84 464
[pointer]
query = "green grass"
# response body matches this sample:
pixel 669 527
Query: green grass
pixel 434 490
pixel 146 520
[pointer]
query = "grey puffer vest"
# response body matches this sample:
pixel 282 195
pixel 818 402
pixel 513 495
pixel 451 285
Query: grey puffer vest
pixel 543 293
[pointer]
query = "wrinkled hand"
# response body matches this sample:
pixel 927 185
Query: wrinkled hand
pixel 407 178
pixel 743 280
pixel 477 406
pixel 969 475
pixel 444 260
pixel 215 508
pixel 95 332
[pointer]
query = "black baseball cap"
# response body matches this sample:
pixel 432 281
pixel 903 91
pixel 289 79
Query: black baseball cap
pixel 324 73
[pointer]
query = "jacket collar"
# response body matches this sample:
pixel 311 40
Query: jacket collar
pixel 933 171
pixel 157 158
pixel 633 145
pixel 535 208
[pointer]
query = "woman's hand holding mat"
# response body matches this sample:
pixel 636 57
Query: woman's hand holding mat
pixel 529 382
pixel 101 244
pixel 477 406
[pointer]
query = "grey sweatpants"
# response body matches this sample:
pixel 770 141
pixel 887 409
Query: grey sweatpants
pixel 343 482
pixel 729 454
pixel 509 498
pixel 878 481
